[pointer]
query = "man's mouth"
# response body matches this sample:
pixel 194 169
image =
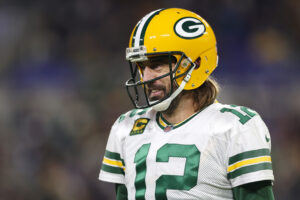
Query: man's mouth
pixel 156 94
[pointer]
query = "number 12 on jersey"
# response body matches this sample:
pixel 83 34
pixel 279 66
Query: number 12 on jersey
pixel 236 112
pixel 164 182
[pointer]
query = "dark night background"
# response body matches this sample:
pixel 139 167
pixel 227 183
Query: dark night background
pixel 62 74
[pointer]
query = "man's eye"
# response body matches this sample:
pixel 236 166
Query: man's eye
pixel 156 65
pixel 153 65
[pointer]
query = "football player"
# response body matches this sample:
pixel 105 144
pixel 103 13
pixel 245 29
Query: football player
pixel 179 142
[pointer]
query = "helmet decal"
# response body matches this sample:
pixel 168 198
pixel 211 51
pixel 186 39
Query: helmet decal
pixel 189 28
pixel 139 34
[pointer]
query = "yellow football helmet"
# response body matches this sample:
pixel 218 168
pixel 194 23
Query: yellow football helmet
pixel 172 32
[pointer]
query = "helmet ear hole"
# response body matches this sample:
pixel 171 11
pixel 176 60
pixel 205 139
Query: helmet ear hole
pixel 197 62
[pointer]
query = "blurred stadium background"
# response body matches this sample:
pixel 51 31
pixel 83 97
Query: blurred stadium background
pixel 62 74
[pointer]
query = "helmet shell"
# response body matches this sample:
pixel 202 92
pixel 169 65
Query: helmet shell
pixel 179 30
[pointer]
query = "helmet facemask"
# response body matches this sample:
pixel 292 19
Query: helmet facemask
pixel 138 89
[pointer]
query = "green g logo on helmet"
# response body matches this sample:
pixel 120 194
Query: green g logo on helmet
pixel 189 28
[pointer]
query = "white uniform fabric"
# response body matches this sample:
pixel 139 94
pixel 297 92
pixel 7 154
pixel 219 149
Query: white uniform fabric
pixel 204 157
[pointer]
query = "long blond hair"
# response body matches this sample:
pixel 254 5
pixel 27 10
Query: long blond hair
pixel 206 94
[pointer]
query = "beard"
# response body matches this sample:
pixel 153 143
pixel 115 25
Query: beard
pixel 156 92
pixel 174 104
pixel 162 93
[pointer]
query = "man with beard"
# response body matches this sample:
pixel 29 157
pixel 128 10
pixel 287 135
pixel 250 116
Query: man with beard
pixel 179 142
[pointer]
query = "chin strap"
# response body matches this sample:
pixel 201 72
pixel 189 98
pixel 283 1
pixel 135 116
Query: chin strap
pixel 164 105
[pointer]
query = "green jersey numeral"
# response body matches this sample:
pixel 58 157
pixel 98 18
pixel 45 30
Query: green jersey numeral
pixel 190 176
pixel 141 168
pixel 235 110
pixel 164 182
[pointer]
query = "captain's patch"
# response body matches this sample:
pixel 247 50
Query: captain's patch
pixel 139 126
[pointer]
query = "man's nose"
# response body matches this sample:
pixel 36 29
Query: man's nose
pixel 148 74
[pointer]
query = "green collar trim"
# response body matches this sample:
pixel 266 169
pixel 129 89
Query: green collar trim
pixel 167 126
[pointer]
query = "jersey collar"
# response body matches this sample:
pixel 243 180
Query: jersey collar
pixel 166 126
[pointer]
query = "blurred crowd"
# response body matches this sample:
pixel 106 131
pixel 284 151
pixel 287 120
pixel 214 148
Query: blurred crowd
pixel 62 74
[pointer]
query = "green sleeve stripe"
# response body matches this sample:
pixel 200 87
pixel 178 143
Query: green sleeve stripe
pixel 110 169
pixel 249 154
pixel 114 156
pixel 249 169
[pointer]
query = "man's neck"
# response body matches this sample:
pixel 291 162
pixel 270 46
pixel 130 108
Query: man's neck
pixel 183 110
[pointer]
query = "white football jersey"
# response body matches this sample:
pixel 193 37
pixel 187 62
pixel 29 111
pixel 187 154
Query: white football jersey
pixel 203 157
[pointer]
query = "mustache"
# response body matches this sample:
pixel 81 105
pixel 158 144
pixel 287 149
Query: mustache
pixel 152 86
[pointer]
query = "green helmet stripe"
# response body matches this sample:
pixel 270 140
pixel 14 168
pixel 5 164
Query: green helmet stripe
pixel 139 33
pixel 134 34
pixel 146 26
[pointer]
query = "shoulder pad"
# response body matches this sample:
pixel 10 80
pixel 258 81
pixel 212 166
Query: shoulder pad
pixel 133 113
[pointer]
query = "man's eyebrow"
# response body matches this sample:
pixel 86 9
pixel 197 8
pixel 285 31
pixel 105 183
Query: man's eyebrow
pixel 157 59
pixel 160 59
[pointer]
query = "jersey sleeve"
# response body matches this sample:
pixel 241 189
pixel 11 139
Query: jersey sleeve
pixel 249 152
pixel 113 166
